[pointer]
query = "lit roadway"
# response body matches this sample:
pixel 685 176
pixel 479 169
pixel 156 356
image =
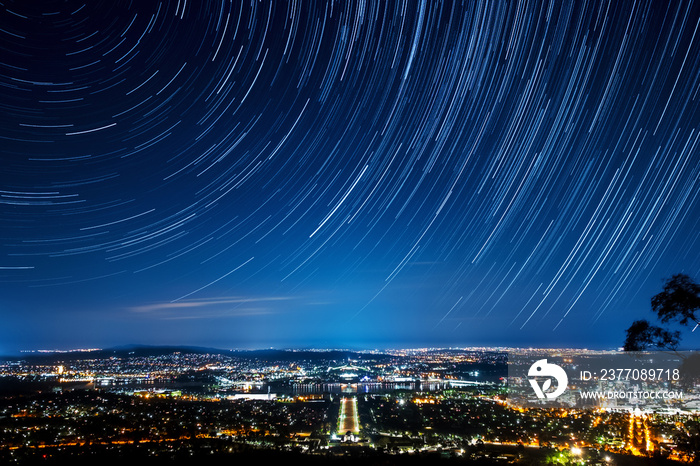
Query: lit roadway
pixel 347 420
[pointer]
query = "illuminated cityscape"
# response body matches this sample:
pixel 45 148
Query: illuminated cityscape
pixel 419 404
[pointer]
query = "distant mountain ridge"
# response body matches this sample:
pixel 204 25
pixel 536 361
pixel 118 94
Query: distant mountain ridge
pixel 127 351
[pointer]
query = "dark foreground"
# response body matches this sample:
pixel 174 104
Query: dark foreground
pixel 220 452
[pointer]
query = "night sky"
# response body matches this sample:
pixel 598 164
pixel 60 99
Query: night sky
pixel 351 174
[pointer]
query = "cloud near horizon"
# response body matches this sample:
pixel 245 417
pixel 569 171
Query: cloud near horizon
pixel 209 303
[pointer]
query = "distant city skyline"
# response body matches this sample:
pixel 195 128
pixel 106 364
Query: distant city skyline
pixel 368 350
pixel 402 174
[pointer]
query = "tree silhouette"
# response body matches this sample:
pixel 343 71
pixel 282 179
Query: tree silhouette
pixel 642 335
pixel 679 301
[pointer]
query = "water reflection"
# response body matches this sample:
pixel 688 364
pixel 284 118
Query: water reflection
pixel 282 388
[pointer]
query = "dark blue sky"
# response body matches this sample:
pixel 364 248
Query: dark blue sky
pixel 344 174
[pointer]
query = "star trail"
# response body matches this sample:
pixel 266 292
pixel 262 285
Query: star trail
pixel 344 174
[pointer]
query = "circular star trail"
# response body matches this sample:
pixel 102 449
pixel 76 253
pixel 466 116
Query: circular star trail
pixel 344 173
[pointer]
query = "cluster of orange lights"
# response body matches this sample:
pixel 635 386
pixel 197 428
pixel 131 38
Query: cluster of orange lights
pixel 420 401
